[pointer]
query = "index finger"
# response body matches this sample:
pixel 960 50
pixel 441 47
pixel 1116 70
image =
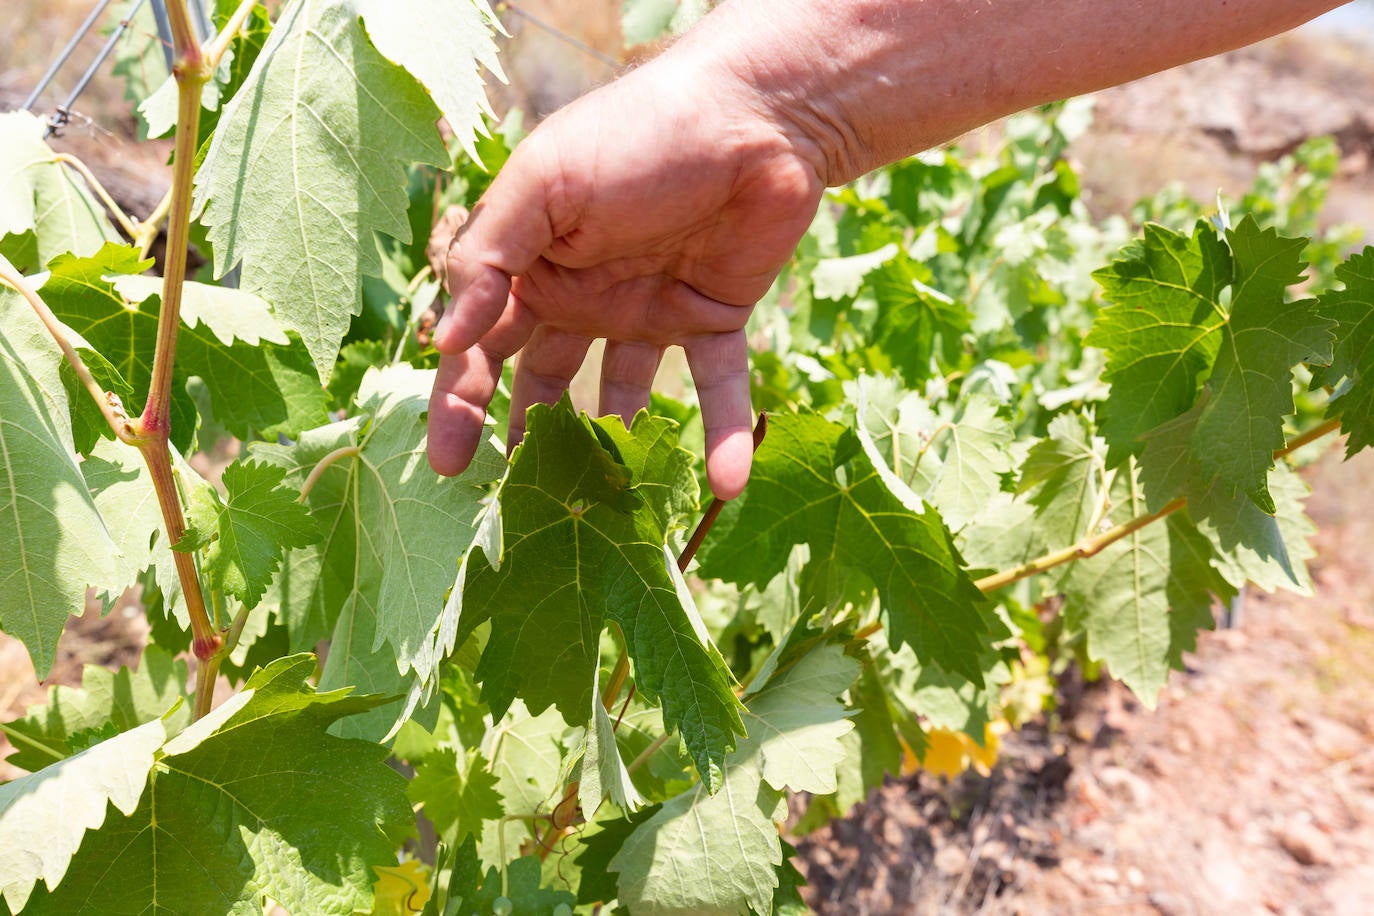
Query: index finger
pixel 507 232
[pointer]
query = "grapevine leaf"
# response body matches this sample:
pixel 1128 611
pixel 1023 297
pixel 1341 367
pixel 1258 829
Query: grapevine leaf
pixel 522 886
pixel 584 543
pixel 381 567
pixel 267 387
pixel 970 459
pixel 955 461
pixel 914 319
pixel 1160 332
pixel 255 778
pixel 1194 585
pixel 716 854
pixel 158 112
pixel 814 482
pixel 526 754
pixel 125 699
pixel 451 795
pixel 89 425
pixel 245 532
pixel 453 32
pixel 1353 359
pixel 139 55
pixel 1170 331
pixel 1142 599
pixel 872 750
pixel 1270 551
pixel 56 542
pixel 321 109
pixel 796 724
pixel 227 313
pixel 842 278
pixel 787 899
pixel 1251 383
pixel 1062 477
pixel 44 816
pixel 1119 598
pixel 598 884
pixel 45 209
pixel 603 771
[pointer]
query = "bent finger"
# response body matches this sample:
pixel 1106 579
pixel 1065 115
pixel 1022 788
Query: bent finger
pixel 542 373
pixel 720 368
pixel 463 388
pixel 508 229
pixel 627 375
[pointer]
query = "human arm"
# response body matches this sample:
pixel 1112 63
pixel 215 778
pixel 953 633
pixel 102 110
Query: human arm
pixel 658 209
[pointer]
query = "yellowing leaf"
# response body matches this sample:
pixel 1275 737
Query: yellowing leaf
pixel 401 890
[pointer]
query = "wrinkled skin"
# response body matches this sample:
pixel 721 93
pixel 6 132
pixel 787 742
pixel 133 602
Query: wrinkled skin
pixel 653 212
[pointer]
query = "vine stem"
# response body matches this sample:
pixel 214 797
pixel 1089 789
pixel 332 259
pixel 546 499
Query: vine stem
pixel 347 451
pixel 125 223
pixel 154 426
pixel 109 406
pixel 1092 546
pixel 1085 548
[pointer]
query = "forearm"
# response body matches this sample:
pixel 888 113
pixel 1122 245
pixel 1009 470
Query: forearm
pixel 870 81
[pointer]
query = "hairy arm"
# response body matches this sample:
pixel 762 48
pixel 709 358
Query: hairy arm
pixel 657 210
pixel 871 81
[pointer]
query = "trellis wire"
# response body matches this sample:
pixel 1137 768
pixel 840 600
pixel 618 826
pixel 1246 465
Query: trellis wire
pixel 560 35
pixel 62 114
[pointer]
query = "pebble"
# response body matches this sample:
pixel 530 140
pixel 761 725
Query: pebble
pixel 1306 844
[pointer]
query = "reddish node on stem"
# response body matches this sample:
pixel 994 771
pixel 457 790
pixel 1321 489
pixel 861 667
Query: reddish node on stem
pixel 205 649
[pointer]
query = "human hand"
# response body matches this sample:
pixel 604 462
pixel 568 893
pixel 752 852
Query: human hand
pixel 655 211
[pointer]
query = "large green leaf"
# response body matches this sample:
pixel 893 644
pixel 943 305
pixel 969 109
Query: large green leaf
pixel 603 772
pixel 703 853
pixel 244 532
pixel 813 482
pixel 123 492
pixel 1171 330
pixel 55 543
pixel 44 816
pixel 307 165
pixel 45 209
pixel 254 800
pixel 1161 332
pixel 1353 360
pixel 1241 424
pixel 257 380
pixel 1250 545
pixel 447 55
pixel 1142 599
pixel 394 534
pixel 453 795
pixel 586 508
